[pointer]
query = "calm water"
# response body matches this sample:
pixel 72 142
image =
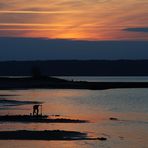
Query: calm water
pixel 129 105
pixel 107 79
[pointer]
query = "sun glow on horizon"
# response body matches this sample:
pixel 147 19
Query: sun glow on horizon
pixel 79 20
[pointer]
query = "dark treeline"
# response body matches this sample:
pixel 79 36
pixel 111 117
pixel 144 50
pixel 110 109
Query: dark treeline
pixel 75 68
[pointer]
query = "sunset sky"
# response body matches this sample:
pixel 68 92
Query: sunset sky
pixel 75 19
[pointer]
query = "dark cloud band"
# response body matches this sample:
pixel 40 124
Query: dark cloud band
pixel 145 29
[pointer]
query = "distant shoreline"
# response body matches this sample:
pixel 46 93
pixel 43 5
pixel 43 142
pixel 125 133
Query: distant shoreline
pixel 75 67
pixel 58 83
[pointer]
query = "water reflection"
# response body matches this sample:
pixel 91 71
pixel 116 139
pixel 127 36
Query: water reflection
pixel 96 106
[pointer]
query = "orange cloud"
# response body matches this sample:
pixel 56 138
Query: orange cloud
pixel 79 19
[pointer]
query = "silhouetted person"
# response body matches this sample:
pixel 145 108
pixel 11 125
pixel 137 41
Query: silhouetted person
pixel 36 110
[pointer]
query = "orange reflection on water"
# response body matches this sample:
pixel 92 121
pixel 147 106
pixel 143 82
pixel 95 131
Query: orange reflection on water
pixel 131 131
pixel 44 144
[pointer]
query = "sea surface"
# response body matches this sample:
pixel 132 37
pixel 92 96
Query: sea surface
pixel 107 78
pixel 130 106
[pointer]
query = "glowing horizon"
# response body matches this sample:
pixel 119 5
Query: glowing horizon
pixel 80 20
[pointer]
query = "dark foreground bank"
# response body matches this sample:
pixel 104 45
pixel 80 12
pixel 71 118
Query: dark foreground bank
pixel 56 83
pixel 45 135
pixel 38 119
